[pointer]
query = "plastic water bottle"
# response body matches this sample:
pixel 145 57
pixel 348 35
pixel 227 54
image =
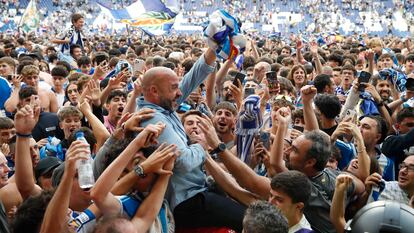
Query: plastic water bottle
pixel 85 172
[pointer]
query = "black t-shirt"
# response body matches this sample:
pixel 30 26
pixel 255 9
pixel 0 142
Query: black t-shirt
pixel 48 125
pixel 4 225
pixel 319 204
pixel 330 131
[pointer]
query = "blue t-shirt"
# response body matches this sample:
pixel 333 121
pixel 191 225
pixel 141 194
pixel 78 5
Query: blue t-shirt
pixel 5 90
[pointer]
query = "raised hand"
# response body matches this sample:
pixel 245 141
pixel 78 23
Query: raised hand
pixel 95 92
pixel 134 122
pixel 308 92
pixel 5 149
pixel 17 80
pixel 283 115
pixel 209 131
pixel 313 46
pixel 101 70
pixel 77 150
pixel 343 182
pixel 26 118
pixel 160 160
pixel 150 134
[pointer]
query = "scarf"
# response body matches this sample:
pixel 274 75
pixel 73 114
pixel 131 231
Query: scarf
pixel 75 37
pixel 248 125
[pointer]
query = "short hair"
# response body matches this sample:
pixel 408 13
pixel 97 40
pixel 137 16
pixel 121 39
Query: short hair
pixel 320 149
pixel 59 71
pixel 288 183
pixel 226 105
pixel 89 136
pixel 190 112
pixel 285 84
pixel 75 17
pixel 82 81
pixel 65 64
pixel 263 217
pixel 8 60
pixel 115 93
pixel 6 123
pixel 297 113
pixel 349 67
pixel 374 42
pixel 29 215
pixel 26 92
pixel 73 47
pixel 140 49
pixel 169 64
pixel 30 70
pixel 321 81
pixel 249 61
pixel 384 55
pixel 84 60
pixel 409 57
pixel 69 111
pixel 335 57
pixel 382 126
pixel 110 224
pixel 405 113
pixel 328 104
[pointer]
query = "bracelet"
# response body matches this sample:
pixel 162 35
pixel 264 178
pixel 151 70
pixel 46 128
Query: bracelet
pixel 23 135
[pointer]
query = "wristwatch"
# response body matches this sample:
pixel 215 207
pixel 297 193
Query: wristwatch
pixel 220 148
pixel 139 171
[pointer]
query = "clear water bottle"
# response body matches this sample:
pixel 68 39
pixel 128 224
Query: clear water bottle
pixel 85 172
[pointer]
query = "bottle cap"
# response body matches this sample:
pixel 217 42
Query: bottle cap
pixel 79 134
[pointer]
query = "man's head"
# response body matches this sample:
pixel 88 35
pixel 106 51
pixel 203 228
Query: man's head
pixel 226 93
pixel 161 86
pixel 115 103
pixel 84 64
pixel 324 84
pixel 59 74
pixel 78 21
pixel 224 120
pixel 44 170
pixel 191 125
pixel 409 62
pixel 373 129
pixel 25 96
pixel 328 105
pixel 309 153
pixel 284 193
pixel 260 70
pixel 75 51
pixel 405 120
pixel 383 88
pixel 7 66
pixel 7 130
pixel 263 217
pixel 406 175
pixel 286 51
pixel 348 74
pixel 69 119
pixel 30 74
pixel 30 213
pixel 386 60
pixel 114 224
pixel 4 171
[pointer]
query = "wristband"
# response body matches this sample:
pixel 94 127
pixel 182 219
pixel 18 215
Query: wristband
pixel 403 98
pixel 23 135
pixel 380 103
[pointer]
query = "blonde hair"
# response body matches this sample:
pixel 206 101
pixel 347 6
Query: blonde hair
pixel 374 42
pixel 30 70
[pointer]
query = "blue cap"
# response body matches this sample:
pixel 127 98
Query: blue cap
pixel 79 134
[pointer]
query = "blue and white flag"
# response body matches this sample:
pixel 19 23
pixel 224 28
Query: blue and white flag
pixel 154 17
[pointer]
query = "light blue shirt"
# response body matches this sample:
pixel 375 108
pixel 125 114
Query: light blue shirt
pixel 188 178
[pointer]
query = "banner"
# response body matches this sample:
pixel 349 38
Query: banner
pixel 152 16
pixel 30 20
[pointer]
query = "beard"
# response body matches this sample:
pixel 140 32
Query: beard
pixel 166 104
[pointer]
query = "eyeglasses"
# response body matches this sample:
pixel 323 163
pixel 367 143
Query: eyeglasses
pixel 410 167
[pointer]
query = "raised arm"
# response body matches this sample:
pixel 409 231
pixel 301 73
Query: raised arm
pixel 282 117
pixel 243 174
pixel 150 207
pixel 221 74
pixel 11 103
pixel 315 55
pixel 337 213
pixel 308 93
pixel 25 120
pixel 210 90
pixel 56 213
pixel 227 183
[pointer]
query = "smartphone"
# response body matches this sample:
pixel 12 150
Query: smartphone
pixel 248 91
pixel 124 66
pixel 409 85
pixel 272 81
pixel 138 66
pixel 100 58
pixel 265 139
pixel 363 78
pixel 299 128
pixel 239 76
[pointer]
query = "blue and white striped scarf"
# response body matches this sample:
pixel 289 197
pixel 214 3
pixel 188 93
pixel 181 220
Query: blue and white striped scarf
pixel 75 37
pixel 249 123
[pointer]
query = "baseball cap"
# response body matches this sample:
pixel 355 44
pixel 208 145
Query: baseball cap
pixel 46 165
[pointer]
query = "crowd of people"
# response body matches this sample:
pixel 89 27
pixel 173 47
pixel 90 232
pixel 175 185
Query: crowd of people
pixel 291 136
